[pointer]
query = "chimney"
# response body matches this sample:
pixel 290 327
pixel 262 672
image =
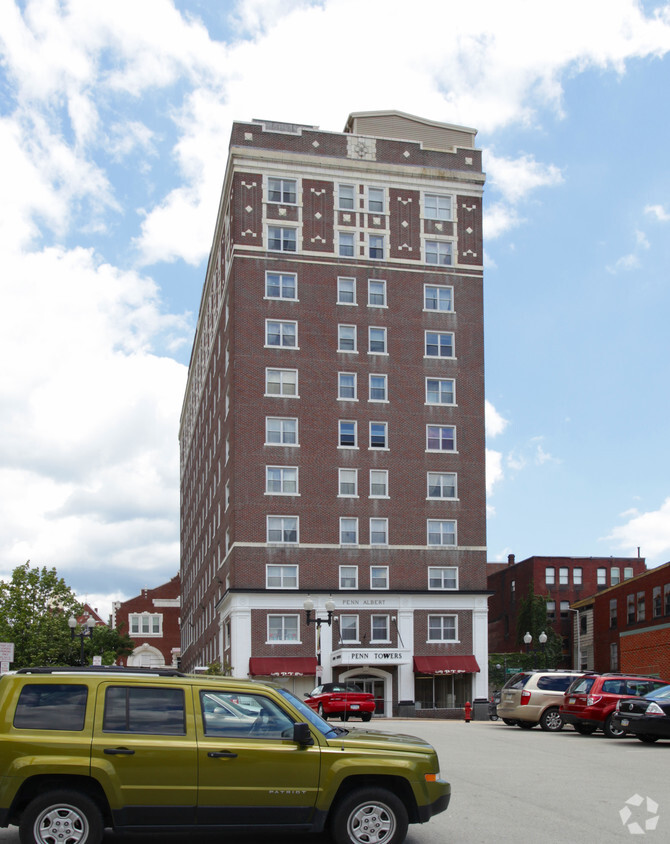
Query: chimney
pixel 510 559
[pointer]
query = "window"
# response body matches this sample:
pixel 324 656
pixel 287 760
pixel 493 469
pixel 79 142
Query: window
pixel 282 530
pixel 565 609
pixel 563 576
pixel 282 190
pixel 551 610
pixel 614 656
pixel 281 333
pixel 281 480
pixel 379 577
pixel 349 628
pixel 615 575
pixel 657 602
pixel 282 239
pixel 442 577
pixel 376 200
pixel 666 599
pixel 441 532
pixel 438 252
pixel 379 628
pixel 442 485
pixel 345 244
pixel 439 345
pixel 438 298
pixel 348 483
pixel 347 436
pixel 146 624
pixel 437 207
pixel 281 285
pixel 379 483
pixel 281 382
pixel 346 338
pixel 641 607
pixel 630 609
pixel 550 575
pixel 346 291
pixel 377 341
pixel 283 628
pixel 627 572
pixel 613 619
pixel 577 576
pixel 440 391
pixel 441 628
pixel 441 438
pixel 601 577
pixel 222 717
pixel 376 246
pixel 376 294
pixel 51 707
pixel 281 577
pixel 348 531
pixel 345 197
pixel 378 390
pixel 378 435
pixel 346 386
pixel 379 531
pixel 137 709
pixel 348 577
pixel 281 431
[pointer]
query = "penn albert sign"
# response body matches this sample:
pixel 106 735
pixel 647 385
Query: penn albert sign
pixel 6 656
pixel 369 657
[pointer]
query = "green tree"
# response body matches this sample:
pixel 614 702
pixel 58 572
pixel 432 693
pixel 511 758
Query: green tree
pixel 108 642
pixel 35 605
pixel 532 618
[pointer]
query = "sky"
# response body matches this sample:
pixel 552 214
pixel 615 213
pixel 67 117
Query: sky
pixel 115 120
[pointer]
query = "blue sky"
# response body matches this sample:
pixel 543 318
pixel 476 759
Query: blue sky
pixel 114 127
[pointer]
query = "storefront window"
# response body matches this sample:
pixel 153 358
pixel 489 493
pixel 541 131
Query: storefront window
pixel 443 691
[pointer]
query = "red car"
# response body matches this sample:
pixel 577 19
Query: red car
pixel 343 699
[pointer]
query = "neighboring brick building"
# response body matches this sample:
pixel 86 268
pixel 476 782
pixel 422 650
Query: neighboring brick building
pixel 631 624
pixel 563 580
pixel 332 435
pixel 152 620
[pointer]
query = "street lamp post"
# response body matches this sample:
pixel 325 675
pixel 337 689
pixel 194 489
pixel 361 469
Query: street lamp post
pixel 318 621
pixel 542 638
pixel 86 632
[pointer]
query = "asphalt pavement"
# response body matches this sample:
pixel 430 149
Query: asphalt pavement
pixel 512 785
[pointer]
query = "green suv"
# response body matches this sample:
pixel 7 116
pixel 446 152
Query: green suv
pixel 142 750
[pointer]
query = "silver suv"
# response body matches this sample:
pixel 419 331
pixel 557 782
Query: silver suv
pixel 534 697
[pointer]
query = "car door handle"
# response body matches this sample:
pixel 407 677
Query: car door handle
pixel 221 754
pixel 118 751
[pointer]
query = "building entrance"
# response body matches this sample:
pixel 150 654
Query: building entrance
pixel 374 686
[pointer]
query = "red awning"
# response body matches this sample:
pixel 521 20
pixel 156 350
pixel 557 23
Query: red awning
pixel 445 665
pixel 282 666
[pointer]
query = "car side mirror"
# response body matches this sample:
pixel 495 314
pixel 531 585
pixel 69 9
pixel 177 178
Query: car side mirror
pixel 308 694
pixel 302 734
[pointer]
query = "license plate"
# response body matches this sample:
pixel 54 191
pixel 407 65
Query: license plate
pixel 572 700
pixel 355 706
pixel 624 722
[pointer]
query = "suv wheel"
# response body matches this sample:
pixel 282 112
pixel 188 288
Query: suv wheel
pixel 510 722
pixel 611 731
pixel 369 815
pixel 551 720
pixel 646 738
pixel 61 815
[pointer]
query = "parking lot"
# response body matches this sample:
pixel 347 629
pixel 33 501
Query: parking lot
pixel 512 785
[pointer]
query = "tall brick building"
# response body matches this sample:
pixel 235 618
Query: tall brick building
pixel 332 434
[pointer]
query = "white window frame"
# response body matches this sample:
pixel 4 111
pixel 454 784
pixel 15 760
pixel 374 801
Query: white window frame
pixel 379 198
pixel 289 636
pixel 285 475
pixel 283 284
pixel 437 212
pixel 288 339
pixel 342 337
pixel 355 639
pixel 385 472
pixel 344 476
pixel 550 576
pixel 376 523
pixel 284 187
pixel 445 575
pixel 284 574
pixel 344 282
pixel 372 282
pixel 341 386
pixel 440 342
pixel 384 379
pixel 353 422
pixel 282 430
pixel 281 523
pixel 439 253
pixel 437 479
pixel 563 576
pixel 442 637
pixel 154 624
pixel 287 236
pixel 345 207
pixel 352 575
pixel 440 437
pixel 384 447
pixel 439 288
pixel 349 525
pixel 432 529
pixel 282 382
pixel 387 628
pixel 375 575
pixel 384 331
pixel 376 245
pixel 443 388
pixel 342 249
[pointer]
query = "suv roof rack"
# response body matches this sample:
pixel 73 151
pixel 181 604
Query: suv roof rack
pixel 101 669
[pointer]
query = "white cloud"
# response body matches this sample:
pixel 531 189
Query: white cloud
pixel 648 531
pixel 495 423
pixel 494 471
pixel 657 211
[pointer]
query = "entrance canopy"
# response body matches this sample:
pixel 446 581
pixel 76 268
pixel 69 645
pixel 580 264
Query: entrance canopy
pixel 282 666
pixel 445 665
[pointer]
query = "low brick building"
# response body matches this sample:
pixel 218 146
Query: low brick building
pixel 153 621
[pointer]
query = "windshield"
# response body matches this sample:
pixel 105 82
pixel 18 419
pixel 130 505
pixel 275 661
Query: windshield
pixel 310 715
pixel 659 694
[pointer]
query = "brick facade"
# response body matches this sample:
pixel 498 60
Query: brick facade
pixel 152 619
